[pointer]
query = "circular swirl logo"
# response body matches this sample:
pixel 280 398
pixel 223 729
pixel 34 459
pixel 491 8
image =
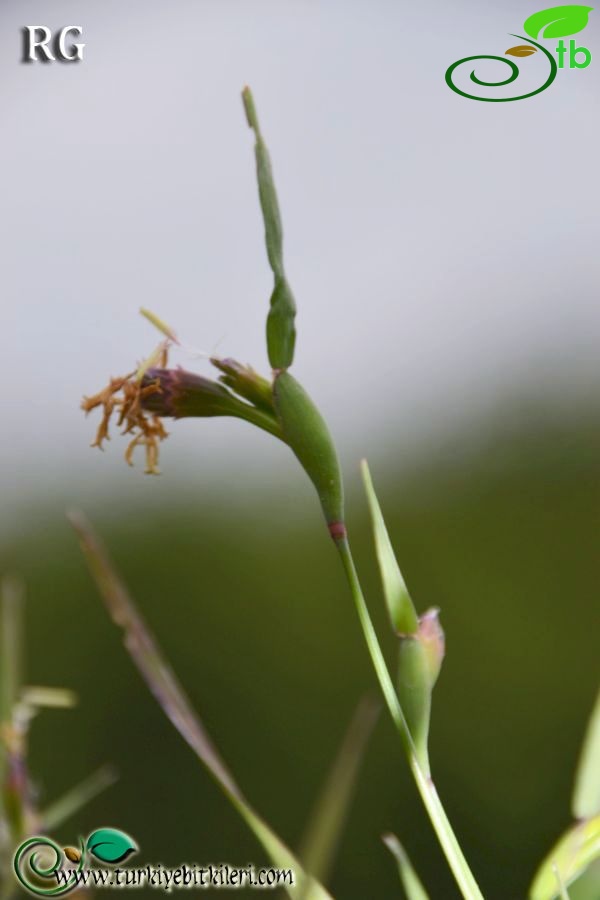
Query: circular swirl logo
pixel 556 22
pixel 39 859
pixel 514 74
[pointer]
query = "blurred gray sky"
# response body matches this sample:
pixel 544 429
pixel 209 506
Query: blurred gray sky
pixel 442 251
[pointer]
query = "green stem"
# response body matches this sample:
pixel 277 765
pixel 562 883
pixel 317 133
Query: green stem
pixel 259 418
pixel 425 785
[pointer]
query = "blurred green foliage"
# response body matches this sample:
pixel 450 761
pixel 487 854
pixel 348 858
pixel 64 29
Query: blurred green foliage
pixel 248 600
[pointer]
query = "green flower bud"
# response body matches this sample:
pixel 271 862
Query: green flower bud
pixel 414 692
pixel 420 657
pixel 431 635
pixel 306 432
pixel 246 383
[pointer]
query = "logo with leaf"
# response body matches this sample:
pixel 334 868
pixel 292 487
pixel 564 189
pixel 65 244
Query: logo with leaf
pixel 555 22
pixel 39 860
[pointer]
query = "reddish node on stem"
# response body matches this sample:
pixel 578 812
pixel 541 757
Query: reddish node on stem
pixel 337 530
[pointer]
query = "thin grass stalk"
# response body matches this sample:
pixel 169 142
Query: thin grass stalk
pixel 325 828
pixel 76 798
pixel 171 697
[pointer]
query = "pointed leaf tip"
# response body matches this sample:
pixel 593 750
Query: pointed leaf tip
pixel 410 880
pixel 400 606
pixel 281 330
pixel 250 109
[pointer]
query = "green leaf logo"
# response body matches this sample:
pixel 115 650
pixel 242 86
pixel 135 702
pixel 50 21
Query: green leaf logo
pixel 558 21
pixel 110 845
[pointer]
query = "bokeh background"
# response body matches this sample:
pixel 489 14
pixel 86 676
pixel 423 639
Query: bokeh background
pixel 444 256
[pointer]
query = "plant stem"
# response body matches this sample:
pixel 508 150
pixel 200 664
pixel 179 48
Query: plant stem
pixel 259 418
pixel 425 785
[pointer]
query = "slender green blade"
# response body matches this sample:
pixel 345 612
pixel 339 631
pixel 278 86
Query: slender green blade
pixel 36 697
pixel 281 330
pixel 586 795
pixel 400 606
pixel 410 880
pixel 75 799
pixel 569 859
pixel 170 695
pixel 266 188
pixel 325 828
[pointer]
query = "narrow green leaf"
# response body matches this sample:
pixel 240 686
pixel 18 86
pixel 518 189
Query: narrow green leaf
pixel 410 880
pixel 281 331
pixel 266 187
pixel 558 21
pixel 586 795
pixel 37 697
pixel 570 857
pixel 400 606
pixel 167 690
pixel 324 831
pixel 75 799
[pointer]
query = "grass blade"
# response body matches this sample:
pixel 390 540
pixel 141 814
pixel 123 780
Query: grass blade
pixel 586 794
pixel 400 606
pixel 410 880
pixel 76 798
pixel 36 697
pixel 165 687
pixel 568 859
pixel 324 831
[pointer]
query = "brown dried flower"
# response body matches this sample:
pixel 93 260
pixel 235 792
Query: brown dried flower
pixel 123 397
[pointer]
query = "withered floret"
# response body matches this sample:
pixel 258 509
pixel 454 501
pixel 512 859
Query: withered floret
pixel 124 398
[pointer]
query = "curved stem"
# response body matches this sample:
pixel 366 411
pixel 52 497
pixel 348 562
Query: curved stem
pixel 425 785
pixel 258 417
